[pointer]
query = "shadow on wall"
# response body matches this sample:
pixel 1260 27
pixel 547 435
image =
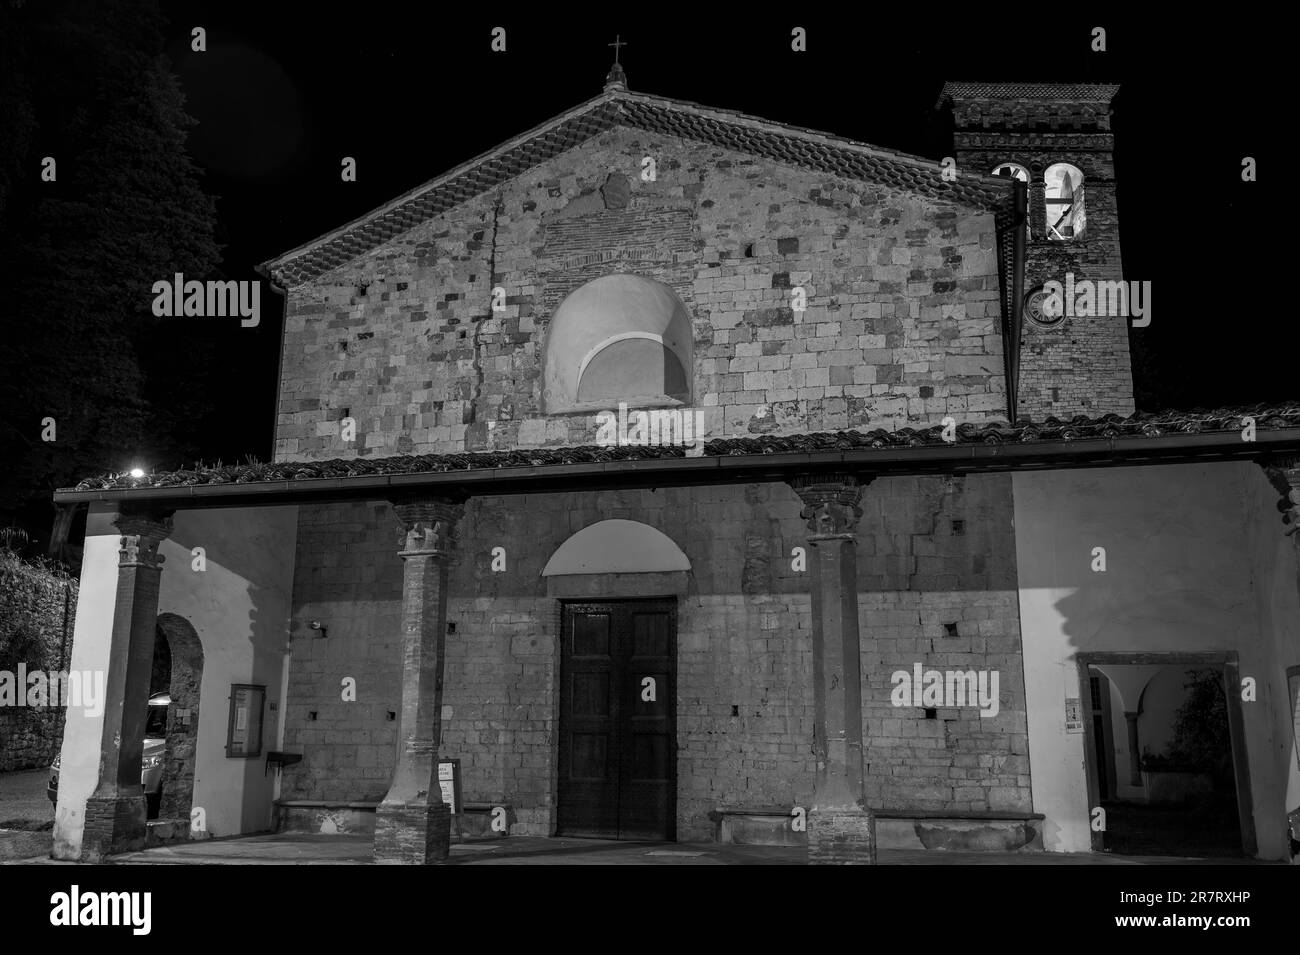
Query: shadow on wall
pixel 230 630
pixel 1159 561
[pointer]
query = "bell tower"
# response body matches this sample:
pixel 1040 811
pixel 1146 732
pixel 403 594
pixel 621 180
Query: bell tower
pixel 1057 139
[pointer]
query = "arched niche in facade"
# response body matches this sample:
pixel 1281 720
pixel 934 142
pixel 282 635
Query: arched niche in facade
pixel 619 338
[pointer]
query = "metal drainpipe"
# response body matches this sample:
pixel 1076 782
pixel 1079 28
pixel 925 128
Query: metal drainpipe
pixel 284 714
pixel 63 636
pixel 1017 296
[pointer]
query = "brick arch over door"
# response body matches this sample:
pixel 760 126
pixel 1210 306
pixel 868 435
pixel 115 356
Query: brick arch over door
pixel 183 719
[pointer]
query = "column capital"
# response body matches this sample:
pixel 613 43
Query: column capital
pixel 429 525
pixel 830 503
pixel 143 530
pixel 1283 472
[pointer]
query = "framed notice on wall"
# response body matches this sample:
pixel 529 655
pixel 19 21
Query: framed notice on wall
pixel 449 783
pixel 244 733
pixel 1073 716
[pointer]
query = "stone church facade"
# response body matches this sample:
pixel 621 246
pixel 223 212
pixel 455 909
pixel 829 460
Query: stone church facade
pixel 906 466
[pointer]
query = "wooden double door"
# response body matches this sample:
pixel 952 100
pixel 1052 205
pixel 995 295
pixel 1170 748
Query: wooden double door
pixel 618 734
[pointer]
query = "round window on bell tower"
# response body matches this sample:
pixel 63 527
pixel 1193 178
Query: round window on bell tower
pixel 1012 170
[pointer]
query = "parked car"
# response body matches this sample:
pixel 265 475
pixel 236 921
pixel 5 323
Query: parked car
pixel 155 745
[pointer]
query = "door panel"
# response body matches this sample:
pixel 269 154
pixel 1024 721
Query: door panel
pixel 588 783
pixel 618 757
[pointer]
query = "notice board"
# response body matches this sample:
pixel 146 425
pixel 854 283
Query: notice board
pixel 449 783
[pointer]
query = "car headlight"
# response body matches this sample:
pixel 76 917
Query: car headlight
pixel 152 762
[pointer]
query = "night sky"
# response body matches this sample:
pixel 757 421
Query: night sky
pixel 285 91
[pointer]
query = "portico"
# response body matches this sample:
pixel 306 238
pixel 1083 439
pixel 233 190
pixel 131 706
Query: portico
pixel 824 501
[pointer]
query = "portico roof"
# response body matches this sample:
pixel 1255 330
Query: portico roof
pixel 1139 439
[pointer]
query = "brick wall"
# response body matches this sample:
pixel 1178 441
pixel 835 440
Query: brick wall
pixel 901 326
pixel 744 702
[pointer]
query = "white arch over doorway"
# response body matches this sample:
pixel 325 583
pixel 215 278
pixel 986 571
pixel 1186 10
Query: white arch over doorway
pixel 616 547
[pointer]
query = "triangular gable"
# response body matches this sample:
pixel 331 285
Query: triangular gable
pixel 617 106
pixel 790 145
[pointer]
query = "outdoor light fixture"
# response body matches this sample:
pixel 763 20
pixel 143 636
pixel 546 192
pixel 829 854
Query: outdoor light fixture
pixel 317 625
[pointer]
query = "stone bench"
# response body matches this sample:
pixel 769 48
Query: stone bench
pixel 25 843
pixel 476 820
pixel 970 831
pixel 169 832
pixel 757 826
pixel 324 816
pixel 331 817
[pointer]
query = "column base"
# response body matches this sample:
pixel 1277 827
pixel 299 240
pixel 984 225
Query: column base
pixel 841 837
pixel 114 824
pixel 412 833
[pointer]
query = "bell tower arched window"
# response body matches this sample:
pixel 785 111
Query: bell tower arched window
pixel 1013 170
pixel 1063 195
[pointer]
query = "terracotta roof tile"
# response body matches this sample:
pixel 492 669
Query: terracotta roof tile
pixel 1223 420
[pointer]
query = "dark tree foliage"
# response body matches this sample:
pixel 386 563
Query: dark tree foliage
pixel 84 82
pixel 1200 742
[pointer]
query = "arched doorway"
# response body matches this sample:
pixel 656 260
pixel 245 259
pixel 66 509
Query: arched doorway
pixel 186 652
pixel 617 745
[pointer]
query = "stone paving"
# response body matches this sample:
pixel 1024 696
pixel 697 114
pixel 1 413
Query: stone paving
pixel 355 849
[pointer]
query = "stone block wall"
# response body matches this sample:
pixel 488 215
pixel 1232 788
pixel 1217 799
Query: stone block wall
pixel 36 610
pixel 347 575
pixel 1081 366
pixel 933 553
pixel 901 327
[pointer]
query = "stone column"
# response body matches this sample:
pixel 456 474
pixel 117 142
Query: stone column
pixel 1134 759
pixel 1284 474
pixel 413 824
pixel 841 829
pixel 1036 204
pixel 115 811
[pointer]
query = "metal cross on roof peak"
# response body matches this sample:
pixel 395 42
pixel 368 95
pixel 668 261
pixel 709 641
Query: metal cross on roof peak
pixel 618 42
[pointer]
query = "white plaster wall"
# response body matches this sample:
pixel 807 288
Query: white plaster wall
pixel 91 630
pixel 239 606
pixel 1184 571
pixel 1276 578
pixel 1123 760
